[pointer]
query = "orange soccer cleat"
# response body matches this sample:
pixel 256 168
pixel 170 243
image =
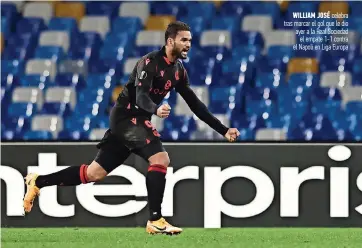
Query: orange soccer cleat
pixel 31 192
pixel 161 226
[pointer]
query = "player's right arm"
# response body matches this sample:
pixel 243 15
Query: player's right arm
pixel 146 70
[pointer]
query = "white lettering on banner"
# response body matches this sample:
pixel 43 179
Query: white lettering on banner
pixel 359 186
pixel 86 193
pixel 48 199
pixel 339 183
pixel 188 172
pixel 215 204
pixel 339 153
pixel 214 177
pixel 14 190
pixel 339 192
pixel 290 182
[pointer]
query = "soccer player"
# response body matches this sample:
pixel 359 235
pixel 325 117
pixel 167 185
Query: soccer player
pixel 131 131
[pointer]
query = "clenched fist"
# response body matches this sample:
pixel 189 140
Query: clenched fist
pixel 232 134
pixel 164 111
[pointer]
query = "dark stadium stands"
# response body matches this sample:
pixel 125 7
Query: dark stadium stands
pixel 64 63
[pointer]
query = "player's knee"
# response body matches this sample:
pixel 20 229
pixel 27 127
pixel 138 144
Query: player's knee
pixel 95 172
pixel 95 177
pixel 160 158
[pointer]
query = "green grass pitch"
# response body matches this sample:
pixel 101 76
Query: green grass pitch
pixel 191 237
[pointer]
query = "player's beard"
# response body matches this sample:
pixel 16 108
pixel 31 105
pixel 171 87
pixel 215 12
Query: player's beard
pixel 176 52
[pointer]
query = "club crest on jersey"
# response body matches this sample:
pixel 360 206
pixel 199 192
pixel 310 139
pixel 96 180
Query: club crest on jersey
pixel 147 61
pixel 143 75
pixel 177 76
pixel 162 73
pixel 168 85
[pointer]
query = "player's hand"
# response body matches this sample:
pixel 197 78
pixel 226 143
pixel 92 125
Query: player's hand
pixel 232 134
pixel 164 111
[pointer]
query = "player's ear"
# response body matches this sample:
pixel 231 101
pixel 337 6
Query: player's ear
pixel 170 41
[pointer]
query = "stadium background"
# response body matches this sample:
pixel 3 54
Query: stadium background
pixel 64 63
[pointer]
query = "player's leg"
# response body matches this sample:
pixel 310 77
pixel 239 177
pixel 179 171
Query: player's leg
pixel 159 160
pixel 71 176
pixel 142 138
pixel 111 154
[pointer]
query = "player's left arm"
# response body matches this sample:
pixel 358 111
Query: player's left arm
pixel 201 111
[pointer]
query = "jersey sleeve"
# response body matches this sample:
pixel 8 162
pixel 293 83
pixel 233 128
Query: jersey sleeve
pixel 146 70
pixel 198 107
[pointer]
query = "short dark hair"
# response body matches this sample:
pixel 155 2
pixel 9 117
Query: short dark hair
pixel 174 27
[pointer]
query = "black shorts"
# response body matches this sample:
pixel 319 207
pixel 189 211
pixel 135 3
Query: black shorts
pixel 127 135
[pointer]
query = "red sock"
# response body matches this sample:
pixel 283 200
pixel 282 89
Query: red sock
pixel 83 174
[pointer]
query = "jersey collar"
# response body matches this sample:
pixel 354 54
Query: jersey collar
pixel 164 57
